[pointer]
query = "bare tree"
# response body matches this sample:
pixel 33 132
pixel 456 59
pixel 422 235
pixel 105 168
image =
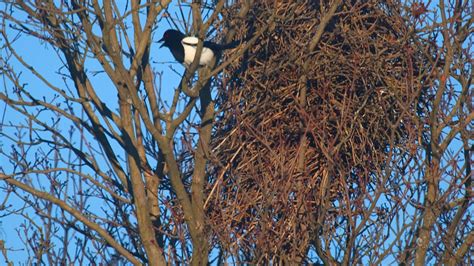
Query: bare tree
pixel 337 132
pixel 111 178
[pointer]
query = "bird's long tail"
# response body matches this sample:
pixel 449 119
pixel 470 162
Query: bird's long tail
pixel 231 45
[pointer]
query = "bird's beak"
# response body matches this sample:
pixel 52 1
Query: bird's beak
pixel 161 40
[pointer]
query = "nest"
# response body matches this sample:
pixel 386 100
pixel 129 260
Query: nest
pixel 295 145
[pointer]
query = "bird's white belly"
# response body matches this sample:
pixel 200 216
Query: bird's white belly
pixel 190 52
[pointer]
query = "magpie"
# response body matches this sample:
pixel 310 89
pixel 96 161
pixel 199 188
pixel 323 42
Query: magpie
pixel 184 48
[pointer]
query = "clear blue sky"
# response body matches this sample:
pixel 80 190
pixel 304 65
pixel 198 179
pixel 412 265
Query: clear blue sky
pixel 47 62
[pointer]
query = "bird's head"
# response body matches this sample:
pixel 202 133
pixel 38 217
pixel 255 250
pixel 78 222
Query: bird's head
pixel 171 37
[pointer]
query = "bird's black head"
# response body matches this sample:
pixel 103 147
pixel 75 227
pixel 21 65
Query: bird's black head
pixel 171 37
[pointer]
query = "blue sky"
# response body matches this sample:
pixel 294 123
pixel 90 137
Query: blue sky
pixel 46 61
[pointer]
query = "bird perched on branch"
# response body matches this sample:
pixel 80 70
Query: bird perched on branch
pixel 184 48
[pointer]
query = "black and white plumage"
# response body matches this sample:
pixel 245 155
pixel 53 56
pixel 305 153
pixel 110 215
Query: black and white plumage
pixel 184 48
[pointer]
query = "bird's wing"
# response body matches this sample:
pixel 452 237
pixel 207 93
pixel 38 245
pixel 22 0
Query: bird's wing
pixel 193 41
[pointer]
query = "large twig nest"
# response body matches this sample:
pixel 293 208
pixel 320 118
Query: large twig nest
pixel 362 86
